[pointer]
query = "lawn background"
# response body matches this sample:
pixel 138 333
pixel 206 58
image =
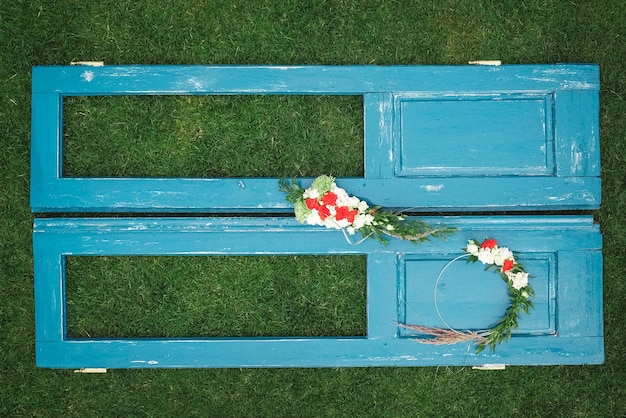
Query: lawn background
pixel 279 32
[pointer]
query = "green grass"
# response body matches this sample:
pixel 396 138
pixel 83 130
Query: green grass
pixel 38 32
pixel 213 136
pixel 267 296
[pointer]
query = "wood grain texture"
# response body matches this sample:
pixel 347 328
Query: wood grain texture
pixel 312 79
pixel 566 327
pixel 452 138
pixel 437 138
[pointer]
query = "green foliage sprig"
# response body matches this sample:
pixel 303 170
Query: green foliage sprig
pixel 327 205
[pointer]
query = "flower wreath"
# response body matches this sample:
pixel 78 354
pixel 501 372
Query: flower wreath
pixel 325 204
pixel 502 261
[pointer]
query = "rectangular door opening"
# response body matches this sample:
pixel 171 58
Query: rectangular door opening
pixel 215 296
pixel 212 136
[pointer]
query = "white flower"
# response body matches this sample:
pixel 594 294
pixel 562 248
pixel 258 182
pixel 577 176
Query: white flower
pixel 472 248
pixel 362 206
pixel 485 256
pixel 501 254
pixel 353 202
pixel 390 227
pixel 359 221
pixel 314 218
pixel 311 193
pixel 330 223
pixel 351 230
pixel 342 195
pixel 520 280
pixel 341 224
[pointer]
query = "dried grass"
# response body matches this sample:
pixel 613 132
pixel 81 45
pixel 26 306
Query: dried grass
pixel 445 336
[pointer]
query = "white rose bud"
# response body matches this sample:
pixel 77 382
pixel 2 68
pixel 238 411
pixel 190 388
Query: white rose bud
pixel 520 280
pixel 472 248
pixel 311 193
pixel 485 256
pixel 501 254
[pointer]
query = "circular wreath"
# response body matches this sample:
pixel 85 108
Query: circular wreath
pixel 502 261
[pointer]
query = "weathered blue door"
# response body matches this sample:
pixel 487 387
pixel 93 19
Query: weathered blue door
pixel 562 253
pixel 454 139
pixel 519 137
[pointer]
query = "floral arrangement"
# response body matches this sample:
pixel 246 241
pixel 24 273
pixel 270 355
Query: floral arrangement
pixel 502 261
pixel 325 204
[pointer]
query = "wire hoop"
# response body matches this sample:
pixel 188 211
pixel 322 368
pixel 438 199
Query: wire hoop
pixel 435 291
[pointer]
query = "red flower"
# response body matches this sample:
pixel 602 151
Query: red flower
pixel 507 265
pixel 351 215
pixel 324 212
pixel 489 243
pixel 342 212
pixel 329 198
pixel 312 203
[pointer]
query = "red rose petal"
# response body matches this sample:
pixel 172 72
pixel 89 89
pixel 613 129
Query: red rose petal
pixel 342 213
pixel 489 243
pixel 351 215
pixel 507 265
pixel 329 198
pixel 312 203
pixel 324 212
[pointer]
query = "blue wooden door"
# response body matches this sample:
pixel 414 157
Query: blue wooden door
pixel 519 137
pixel 562 253
pixel 453 139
